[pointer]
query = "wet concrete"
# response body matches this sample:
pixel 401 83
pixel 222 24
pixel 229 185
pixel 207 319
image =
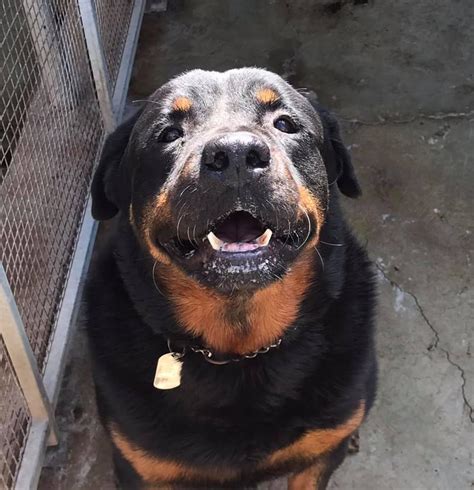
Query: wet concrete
pixel 399 75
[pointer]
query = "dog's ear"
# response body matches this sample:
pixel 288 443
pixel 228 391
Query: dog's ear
pixel 345 174
pixel 341 170
pixel 107 185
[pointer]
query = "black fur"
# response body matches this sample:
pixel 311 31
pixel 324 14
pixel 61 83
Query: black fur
pixel 235 415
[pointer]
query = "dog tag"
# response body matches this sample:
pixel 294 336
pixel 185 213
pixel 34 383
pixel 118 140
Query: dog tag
pixel 168 372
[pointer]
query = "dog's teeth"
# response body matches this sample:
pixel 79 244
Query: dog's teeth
pixel 215 242
pixel 264 239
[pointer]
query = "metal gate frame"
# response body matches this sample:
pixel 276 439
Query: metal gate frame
pixel 41 392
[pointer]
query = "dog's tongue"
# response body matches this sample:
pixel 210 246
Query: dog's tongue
pixel 239 232
pixel 239 227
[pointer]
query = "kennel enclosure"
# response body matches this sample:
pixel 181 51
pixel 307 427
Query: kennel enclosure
pixel 65 69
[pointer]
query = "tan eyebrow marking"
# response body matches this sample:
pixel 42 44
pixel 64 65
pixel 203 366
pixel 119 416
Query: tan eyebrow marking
pixel 267 96
pixel 182 104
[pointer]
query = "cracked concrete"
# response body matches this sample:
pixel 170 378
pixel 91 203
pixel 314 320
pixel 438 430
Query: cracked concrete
pixel 416 219
pixel 387 120
pixel 435 343
pixel 406 103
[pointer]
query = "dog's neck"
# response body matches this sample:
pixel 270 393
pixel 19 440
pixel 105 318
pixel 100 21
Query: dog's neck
pixel 243 322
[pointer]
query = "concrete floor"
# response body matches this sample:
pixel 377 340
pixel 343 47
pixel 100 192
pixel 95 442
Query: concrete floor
pixel 406 101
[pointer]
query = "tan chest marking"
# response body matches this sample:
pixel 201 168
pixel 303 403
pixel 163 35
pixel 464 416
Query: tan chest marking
pixel 268 313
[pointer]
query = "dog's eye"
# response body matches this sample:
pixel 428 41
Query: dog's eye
pixel 170 134
pixel 285 125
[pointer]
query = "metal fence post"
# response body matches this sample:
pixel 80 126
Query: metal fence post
pixel 68 69
pixel 23 360
pixel 125 71
pixel 97 60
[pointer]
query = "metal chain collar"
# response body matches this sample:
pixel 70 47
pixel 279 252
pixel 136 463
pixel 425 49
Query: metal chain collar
pixel 210 356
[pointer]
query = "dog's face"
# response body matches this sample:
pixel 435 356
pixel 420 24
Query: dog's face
pixel 225 175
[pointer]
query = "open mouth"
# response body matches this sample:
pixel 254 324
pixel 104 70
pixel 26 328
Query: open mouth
pixel 239 232
pixel 236 235
pixel 237 238
pixel 239 249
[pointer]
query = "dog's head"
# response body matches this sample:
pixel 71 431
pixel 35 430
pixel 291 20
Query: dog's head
pixel 225 175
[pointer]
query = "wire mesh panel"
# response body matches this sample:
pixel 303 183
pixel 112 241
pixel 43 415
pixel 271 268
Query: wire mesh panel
pixel 15 422
pixel 113 18
pixel 51 132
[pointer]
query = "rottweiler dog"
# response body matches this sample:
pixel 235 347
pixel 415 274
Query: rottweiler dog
pixel 230 311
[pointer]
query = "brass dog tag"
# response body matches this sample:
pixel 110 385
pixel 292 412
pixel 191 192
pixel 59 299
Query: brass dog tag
pixel 168 372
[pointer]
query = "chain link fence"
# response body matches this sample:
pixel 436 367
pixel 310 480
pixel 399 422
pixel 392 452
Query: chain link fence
pixel 55 56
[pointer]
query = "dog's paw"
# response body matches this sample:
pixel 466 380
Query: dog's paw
pixel 353 447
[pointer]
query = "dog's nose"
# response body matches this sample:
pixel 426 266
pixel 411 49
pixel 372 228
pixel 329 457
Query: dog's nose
pixel 236 154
